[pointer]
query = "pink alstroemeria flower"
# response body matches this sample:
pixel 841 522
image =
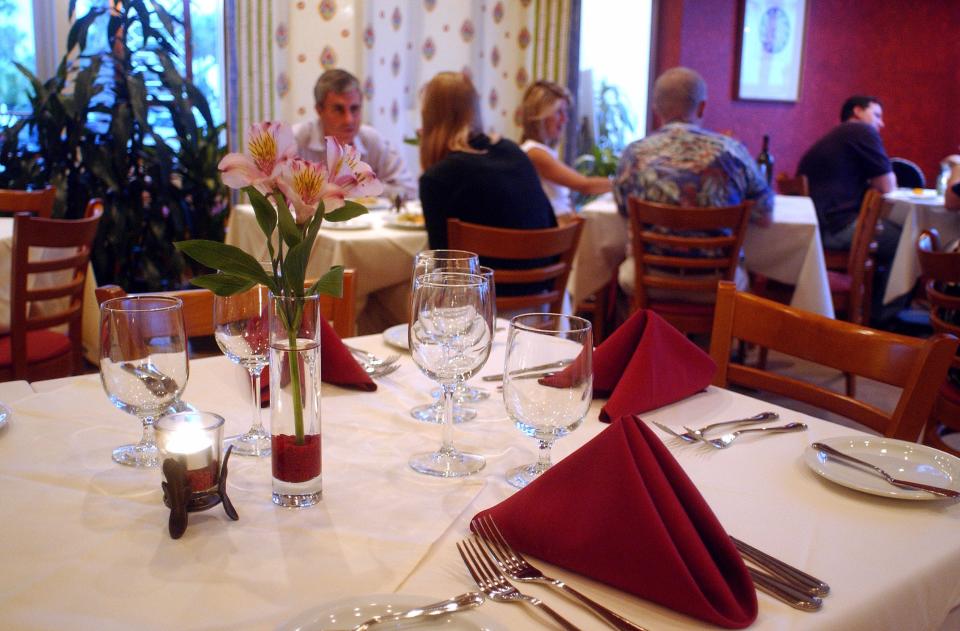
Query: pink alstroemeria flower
pixel 270 145
pixel 349 172
pixel 305 184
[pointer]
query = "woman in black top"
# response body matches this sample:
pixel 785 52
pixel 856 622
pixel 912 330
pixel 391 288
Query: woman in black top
pixel 468 175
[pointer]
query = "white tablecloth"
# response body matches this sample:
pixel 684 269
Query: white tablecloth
pixel 84 540
pixel 789 251
pixel 916 214
pixel 91 312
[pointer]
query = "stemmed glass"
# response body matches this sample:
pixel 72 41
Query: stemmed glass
pixel 143 364
pixel 426 262
pixel 546 407
pixel 240 328
pixel 450 338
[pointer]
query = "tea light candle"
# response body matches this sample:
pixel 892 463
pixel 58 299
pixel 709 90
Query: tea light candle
pixel 193 439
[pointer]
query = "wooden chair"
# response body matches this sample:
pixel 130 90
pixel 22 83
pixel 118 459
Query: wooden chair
pixel 31 350
pixel 941 274
pixel 198 306
pixel 687 274
pixel 38 203
pixel 908 174
pixel 599 308
pixel 916 366
pixel 798 185
pixel 522 245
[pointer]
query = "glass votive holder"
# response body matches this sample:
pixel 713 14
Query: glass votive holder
pixel 192 439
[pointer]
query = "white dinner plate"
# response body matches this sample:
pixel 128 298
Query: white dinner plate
pixel 5 414
pixel 926 193
pixel 901 459
pixel 393 221
pixel 357 223
pixel 349 612
pixel 396 336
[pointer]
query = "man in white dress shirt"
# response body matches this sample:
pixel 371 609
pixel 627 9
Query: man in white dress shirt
pixel 339 105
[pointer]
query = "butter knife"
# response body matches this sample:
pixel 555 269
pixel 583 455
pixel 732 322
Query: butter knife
pixel 541 368
pixel 936 490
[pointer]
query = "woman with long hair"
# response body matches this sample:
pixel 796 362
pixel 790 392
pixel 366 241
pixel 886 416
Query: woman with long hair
pixel 545 111
pixel 468 175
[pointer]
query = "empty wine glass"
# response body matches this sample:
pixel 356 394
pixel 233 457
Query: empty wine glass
pixel 143 364
pixel 240 328
pixel 426 262
pixel 450 339
pixel 546 407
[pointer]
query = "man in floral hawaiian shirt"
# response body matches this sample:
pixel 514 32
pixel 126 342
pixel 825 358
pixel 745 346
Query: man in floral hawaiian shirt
pixel 683 164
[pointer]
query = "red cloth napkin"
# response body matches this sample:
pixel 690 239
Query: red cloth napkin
pixel 622 511
pixel 337 366
pixel 646 364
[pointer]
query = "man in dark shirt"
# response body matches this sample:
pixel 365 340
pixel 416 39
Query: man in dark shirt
pixel 840 167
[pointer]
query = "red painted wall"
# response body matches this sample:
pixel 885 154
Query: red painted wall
pixel 905 53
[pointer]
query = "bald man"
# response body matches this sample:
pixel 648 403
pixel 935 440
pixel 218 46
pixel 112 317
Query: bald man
pixel 685 165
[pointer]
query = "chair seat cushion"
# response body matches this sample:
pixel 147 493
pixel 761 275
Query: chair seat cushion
pixel 839 282
pixel 41 346
pixel 682 308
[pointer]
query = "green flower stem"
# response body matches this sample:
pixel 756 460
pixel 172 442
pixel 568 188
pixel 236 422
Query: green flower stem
pixel 295 383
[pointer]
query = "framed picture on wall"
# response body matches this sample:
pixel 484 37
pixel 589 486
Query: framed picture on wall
pixel 771 49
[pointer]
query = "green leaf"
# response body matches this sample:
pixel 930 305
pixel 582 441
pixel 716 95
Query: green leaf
pixel 295 267
pixel 226 258
pixel 223 284
pixel 348 211
pixel 330 283
pixel 288 225
pixel 264 210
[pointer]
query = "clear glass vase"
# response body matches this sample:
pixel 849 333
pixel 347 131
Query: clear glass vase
pixel 295 400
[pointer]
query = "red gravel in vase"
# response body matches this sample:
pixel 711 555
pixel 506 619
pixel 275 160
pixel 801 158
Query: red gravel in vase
pixel 293 462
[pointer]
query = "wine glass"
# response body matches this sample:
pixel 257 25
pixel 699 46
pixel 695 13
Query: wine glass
pixel 546 407
pixel 450 339
pixel 240 328
pixel 143 364
pixel 438 261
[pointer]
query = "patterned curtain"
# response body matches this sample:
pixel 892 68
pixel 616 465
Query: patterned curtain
pixel 255 36
pixel 551 39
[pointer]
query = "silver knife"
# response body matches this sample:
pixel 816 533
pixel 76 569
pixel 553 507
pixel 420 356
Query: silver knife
pixel 545 368
pixel 936 490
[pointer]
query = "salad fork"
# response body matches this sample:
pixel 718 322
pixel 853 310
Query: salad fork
pixel 691 437
pixel 371 359
pixel 727 439
pixel 518 568
pixel 494 583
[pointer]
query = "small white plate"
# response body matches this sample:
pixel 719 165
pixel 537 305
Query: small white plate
pixel 393 221
pixel 396 336
pixel 925 193
pixel 357 223
pixel 349 612
pixel 901 459
pixel 5 414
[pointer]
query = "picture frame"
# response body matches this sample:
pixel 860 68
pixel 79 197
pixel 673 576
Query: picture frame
pixel 771 46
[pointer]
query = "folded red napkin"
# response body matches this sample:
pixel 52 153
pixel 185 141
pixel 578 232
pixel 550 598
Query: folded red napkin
pixel 337 366
pixel 646 364
pixel 622 511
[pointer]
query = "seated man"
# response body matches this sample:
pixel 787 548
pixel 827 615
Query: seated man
pixel 683 164
pixel 339 105
pixel 840 167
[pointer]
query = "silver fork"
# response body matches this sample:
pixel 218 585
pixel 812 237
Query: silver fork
pixel 727 439
pixel 513 563
pixel 691 437
pixel 369 359
pixel 494 583
pixel 381 371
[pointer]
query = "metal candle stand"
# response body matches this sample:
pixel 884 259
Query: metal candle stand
pixel 178 497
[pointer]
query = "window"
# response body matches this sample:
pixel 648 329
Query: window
pixel 16 45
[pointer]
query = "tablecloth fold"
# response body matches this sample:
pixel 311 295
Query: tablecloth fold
pixel 622 511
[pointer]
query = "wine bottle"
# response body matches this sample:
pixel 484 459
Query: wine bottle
pixel 765 160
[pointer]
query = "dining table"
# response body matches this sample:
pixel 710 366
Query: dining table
pixel 85 542
pixel 915 210
pixel 789 250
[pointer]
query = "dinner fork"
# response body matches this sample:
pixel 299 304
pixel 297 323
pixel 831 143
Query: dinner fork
pixel 692 438
pixel 371 359
pixel 494 583
pixel 518 568
pixel 727 439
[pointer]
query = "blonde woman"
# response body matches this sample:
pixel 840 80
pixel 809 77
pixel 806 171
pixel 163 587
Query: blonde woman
pixel 468 175
pixel 545 113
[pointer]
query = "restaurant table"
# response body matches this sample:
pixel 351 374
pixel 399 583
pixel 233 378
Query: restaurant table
pixel 916 212
pixel 789 251
pixel 85 541
pixel 382 256
pixel 91 312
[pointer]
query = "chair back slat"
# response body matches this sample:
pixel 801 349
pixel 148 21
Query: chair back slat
pixel 505 244
pixel 38 203
pixel 917 366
